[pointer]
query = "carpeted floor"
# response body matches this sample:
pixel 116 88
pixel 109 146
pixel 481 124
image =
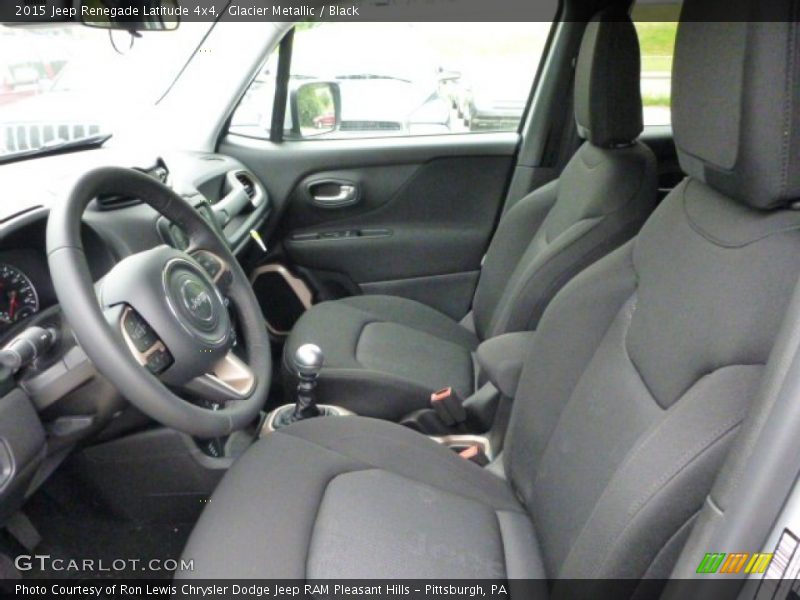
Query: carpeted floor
pixel 75 527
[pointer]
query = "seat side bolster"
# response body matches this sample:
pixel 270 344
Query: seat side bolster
pixel 510 242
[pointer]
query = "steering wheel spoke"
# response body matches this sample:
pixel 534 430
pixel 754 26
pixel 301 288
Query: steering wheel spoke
pixel 230 379
pixel 143 342
pixel 217 268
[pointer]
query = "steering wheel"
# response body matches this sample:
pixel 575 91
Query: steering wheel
pixel 158 323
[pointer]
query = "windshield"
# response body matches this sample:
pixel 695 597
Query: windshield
pixel 70 84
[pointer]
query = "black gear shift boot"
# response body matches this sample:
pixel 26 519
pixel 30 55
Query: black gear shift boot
pixel 308 360
pixel 287 415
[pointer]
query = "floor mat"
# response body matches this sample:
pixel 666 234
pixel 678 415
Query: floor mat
pixel 76 530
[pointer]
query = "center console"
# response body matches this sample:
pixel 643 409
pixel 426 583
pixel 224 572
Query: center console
pixel 308 361
pixel 279 417
pixel 457 442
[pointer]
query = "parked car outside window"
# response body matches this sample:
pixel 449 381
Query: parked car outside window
pixel 405 79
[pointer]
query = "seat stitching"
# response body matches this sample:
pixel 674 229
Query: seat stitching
pixel 720 242
pixel 632 362
pixel 685 459
pixel 378 467
pixel 316 512
pixel 634 453
pixel 514 291
pixel 577 381
pixel 415 330
pixel 496 512
pixel 381 319
pixel 708 442
pixel 359 335
pixel 502 540
pixel 586 259
pixel 421 333
pixel 654 430
pixel 585 159
pixel 675 534
pixel 634 194
pixel 570 397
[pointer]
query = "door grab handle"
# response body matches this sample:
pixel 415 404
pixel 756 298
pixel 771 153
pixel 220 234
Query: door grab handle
pixel 346 194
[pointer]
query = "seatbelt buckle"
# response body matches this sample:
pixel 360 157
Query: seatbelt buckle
pixel 448 406
pixel 475 454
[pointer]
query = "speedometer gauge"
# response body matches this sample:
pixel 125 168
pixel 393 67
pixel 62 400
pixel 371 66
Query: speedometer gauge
pixel 18 298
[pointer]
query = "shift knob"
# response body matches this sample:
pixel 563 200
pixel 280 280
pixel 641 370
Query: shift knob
pixel 308 360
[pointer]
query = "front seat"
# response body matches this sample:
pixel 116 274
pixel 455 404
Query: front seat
pixel 384 355
pixel 637 378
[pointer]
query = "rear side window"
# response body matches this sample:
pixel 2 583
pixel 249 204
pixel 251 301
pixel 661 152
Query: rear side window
pixel 404 79
pixel 656 24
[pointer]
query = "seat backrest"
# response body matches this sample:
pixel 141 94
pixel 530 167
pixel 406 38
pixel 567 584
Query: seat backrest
pixel 600 201
pixel 644 365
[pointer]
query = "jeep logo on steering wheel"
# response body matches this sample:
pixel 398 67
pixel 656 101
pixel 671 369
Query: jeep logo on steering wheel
pixel 197 300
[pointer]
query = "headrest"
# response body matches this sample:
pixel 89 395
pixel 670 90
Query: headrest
pixel 736 98
pixel 608 100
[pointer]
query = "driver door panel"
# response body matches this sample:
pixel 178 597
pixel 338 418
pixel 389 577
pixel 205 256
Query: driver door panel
pixel 422 221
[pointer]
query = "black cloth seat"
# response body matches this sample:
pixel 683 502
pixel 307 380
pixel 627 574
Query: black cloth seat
pixel 381 351
pixel 385 355
pixel 637 379
pixel 330 481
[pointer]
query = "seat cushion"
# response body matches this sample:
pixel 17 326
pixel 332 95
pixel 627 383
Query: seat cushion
pixel 348 497
pixel 384 355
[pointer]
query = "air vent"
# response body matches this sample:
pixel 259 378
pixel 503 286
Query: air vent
pixel 116 202
pixel 247 183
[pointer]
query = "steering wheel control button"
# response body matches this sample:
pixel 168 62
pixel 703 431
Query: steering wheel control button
pixel 140 333
pixel 159 361
pixel 211 265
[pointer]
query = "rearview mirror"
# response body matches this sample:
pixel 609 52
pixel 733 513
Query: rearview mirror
pixel 136 15
pixel 315 108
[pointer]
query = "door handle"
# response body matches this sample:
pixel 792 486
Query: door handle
pixel 346 192
pixel 333 194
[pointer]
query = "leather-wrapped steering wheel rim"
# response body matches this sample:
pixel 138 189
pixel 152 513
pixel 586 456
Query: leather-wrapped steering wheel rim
pixel 177 297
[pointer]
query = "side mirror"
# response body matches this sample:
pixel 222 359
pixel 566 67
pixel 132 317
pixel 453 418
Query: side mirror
pixel 315 108
pixel 149 15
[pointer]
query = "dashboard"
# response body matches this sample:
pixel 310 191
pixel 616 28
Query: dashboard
pixel 222 190
pixel 25 285
pixel 57 399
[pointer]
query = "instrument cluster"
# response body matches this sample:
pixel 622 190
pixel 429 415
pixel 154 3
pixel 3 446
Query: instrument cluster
pixel 18 296
pixel 25 287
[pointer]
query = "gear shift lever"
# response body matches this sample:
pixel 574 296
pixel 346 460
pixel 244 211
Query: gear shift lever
pixel 308 362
